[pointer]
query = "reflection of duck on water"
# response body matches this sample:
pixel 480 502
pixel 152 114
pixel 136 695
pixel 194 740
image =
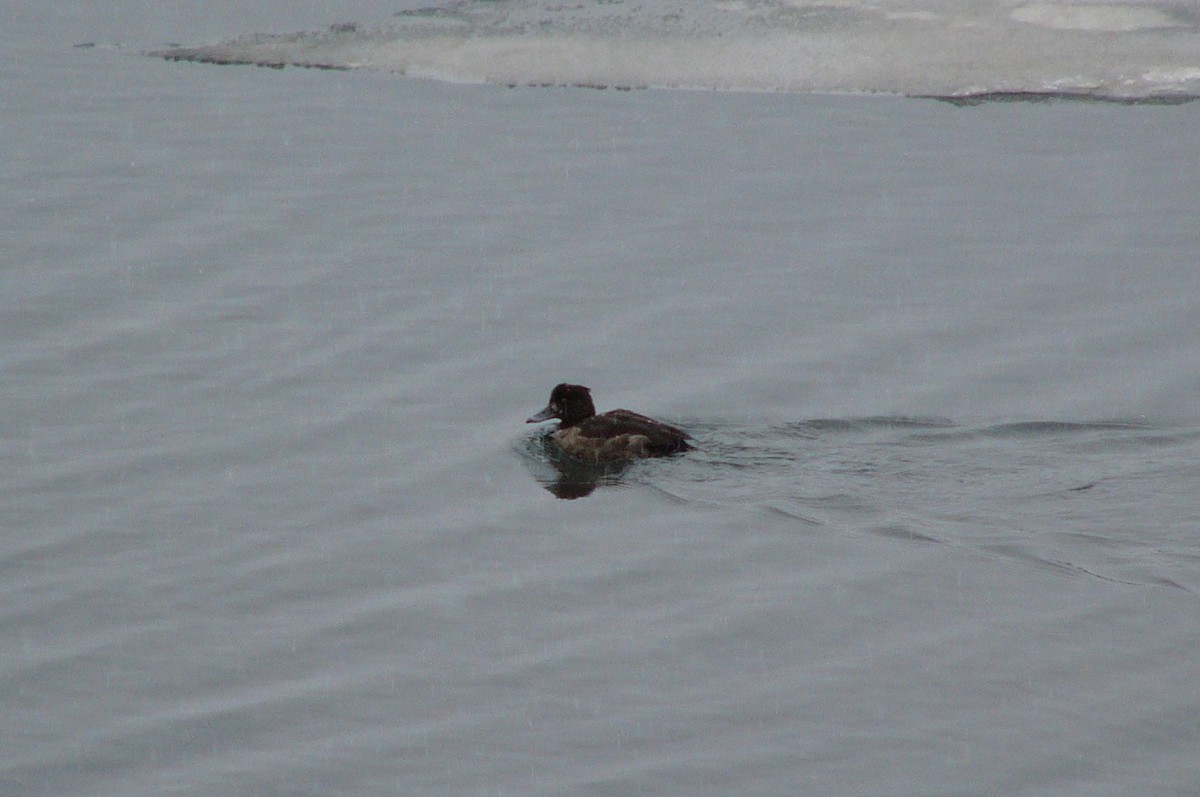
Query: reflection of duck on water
pixel 565 476
pixel 589 449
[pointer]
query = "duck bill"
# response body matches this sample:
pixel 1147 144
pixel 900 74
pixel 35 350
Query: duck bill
pixel 545 415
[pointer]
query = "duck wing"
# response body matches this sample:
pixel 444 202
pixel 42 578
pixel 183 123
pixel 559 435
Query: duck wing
pixel 661 438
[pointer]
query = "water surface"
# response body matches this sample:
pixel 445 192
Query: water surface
pixel 274 523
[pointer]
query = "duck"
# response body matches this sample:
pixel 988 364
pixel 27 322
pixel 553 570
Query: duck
pixel 613 436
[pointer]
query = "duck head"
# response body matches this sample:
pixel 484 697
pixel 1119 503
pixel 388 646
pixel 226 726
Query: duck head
pixel 571 404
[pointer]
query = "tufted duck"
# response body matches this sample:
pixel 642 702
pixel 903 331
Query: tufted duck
pixel 611 436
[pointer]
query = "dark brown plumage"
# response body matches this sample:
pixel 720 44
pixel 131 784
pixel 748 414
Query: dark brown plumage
pixel 610 436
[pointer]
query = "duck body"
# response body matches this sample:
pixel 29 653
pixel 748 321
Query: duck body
pixel 614 436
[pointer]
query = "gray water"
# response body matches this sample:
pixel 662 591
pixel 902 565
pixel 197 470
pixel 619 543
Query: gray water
pixel 273 523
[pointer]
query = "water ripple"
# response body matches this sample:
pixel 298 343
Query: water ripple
pixel 1084 497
